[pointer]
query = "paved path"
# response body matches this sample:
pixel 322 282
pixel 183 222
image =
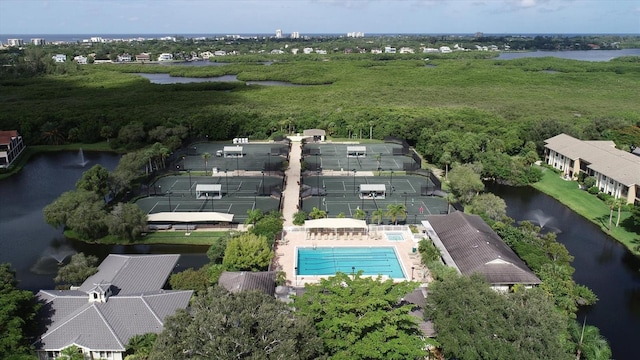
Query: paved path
pixel 292 186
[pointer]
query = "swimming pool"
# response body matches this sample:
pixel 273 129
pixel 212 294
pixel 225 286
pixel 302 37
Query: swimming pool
pixel 329 260
pixel 394 236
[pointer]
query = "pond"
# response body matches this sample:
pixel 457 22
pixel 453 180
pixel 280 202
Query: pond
pixel 583 55
pixel 168 79
pixel 33 247
pixel 601 263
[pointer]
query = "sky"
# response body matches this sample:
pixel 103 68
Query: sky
pixel 172 17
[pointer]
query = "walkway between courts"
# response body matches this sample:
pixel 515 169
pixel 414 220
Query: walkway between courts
pixel 291 191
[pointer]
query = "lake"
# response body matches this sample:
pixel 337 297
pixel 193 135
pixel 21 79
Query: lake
pixel 33 247
pixel 583 55
pixel 601 263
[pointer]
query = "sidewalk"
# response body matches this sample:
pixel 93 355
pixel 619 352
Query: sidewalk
pixel 291 191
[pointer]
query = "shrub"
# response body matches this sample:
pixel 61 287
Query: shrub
pixel 299 218
pixel 593 190
pixel 604 197
pixel 589 182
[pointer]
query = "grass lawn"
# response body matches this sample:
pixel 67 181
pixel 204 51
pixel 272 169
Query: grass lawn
pixel 588 206
pixel 164 237
pixel 180 237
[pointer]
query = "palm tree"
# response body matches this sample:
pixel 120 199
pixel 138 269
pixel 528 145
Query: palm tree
pixel 253 216
pixel 620 202
pixel 611 203
pixel 590 344
pixel 317 213
pixel 445 159
pixel 377 215
pixel 350 130
pixel 395 211
pixel 359 214
pixel 206 156
pixel 371 123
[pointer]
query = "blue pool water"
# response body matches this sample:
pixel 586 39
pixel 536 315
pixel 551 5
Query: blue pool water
pixel 394 236
pixel 369 260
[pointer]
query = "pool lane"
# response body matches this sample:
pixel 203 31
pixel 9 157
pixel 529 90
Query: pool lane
pixel 321 261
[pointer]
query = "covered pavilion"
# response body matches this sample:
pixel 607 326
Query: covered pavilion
pixel 209 191
pixel 373 191
pixel 335 228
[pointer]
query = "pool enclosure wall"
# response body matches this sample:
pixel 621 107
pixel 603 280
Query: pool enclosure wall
pixel 373 191
pixel 335 228
pixel 209 191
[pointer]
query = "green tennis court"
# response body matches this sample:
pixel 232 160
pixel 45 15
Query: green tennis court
pixel 232 157
pixel 361 157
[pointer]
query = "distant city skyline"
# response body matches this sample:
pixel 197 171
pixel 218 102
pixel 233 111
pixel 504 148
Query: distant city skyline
pixel 44 17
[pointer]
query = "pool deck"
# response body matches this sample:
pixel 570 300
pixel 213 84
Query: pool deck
pixel 295 237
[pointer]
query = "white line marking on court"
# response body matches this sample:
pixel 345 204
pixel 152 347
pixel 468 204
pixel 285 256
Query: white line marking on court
pixel 177 206
pixel 229 209
pixel 344 186
pixel 174 184
pixel 397 165
pixel 426 207
pixel 414 189
pixel 153 207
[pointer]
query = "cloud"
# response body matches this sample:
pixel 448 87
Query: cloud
pixel 133 18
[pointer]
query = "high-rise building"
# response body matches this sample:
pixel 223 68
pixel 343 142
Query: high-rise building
pixel 38 41
pixel 278 34
pixel 355 34
pixel 295 35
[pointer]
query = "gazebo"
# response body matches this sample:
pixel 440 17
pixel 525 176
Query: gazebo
pixel 356 151
pixel 233 151
pixel 336 228
pixel 373 191
pixel 316 134
pixel 208 191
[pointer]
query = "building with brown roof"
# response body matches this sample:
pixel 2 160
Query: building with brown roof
pixel 11 146
pixel 617 172
pixel 235 281
pixel 469 245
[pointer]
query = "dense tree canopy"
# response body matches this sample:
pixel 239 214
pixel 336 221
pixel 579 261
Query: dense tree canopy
pixel 465 183
pixel 245 325
pixel 17 311
pixel 247 252
pixel 77 270
pixel 361 317
pixel 475 322
pixel 488 206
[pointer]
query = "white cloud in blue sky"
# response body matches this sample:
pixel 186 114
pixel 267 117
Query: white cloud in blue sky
pixel 317 16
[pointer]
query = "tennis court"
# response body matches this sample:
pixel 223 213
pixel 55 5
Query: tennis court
pixel 231 157
pixel 238 194
pixel 361 157
pixel 341 194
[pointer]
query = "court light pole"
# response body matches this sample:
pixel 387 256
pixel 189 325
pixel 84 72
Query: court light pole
pixel 405 199
pixel 159 189
pixel 255 194
pixel 269 162
pixel 391 179
pixel 354 182
pixel 263 183
pixel 226 179
pixel 318 188
pixel 169 194
pixel 212 203
pixel 190 191
pixel 412 272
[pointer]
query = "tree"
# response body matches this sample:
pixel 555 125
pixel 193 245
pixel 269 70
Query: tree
pixel 217 249
pixel 361 318
pixel 61 209
pixel 247 252
pixel 359 214
pixel 317 213
pixel 206 156
pixel 126 221
pixel 106 132
pixel 488 205
pixel 371 124
pixel 17 311
pixel 590 345
pixel 445 159
pixel 140 346
pixel 620 202
pixel 376 216
pixel 88 220
pixel 190 279
pixel 464 183
pixel 96 180
pixel 269 226
pixel 611 203
pixel 474 321
pixel 77 270
pixel 243 325
pixel 299 217
pixel 253 216
pixel 72 353
pixel 395 211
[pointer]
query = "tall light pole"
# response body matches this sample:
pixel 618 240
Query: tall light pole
pixel 190 191
pixel 355 191
pixel 405 199
pixel 318 188
pixel 169 194
pixel 212 203
pixel 226 179
pixel 263 183
pixel 269 162
pixel 391 179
